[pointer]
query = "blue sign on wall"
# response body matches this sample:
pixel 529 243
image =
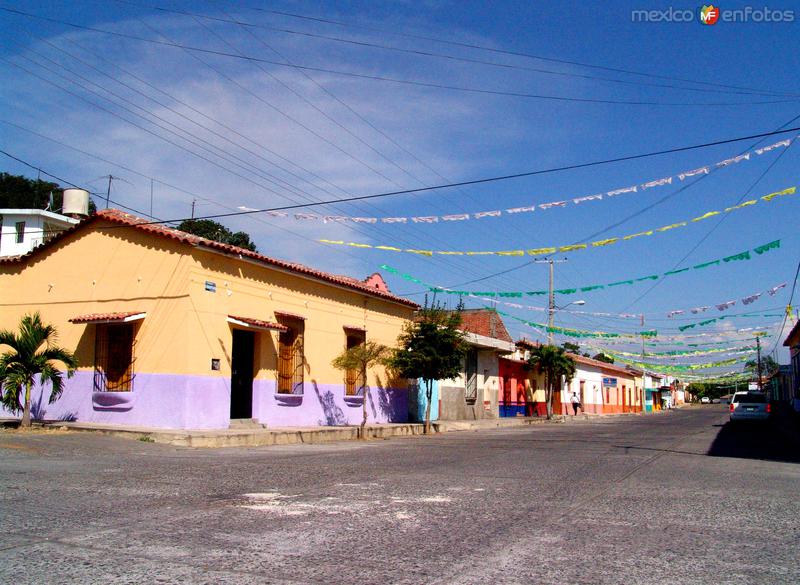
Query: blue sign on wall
pixel 609 381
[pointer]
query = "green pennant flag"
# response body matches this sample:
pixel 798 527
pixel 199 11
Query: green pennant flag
pixel 536 292
pixel 771 246
pixel 566 291
pixel 740 256
pixel 485 294
pixel 588 288
pixel 510 294
pixel 685 327
pixel 709 321
pixel 621 282
pixel 676 271
pixel 651 277
pixel 706 264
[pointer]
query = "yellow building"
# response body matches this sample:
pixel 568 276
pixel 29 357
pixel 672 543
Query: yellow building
pixel 177 331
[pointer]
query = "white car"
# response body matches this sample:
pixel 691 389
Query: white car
pixel 705 400
pixel 749 406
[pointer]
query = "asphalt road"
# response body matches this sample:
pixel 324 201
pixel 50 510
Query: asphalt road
pixel 674 498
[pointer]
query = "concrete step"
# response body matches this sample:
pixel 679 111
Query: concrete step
pixel 245 423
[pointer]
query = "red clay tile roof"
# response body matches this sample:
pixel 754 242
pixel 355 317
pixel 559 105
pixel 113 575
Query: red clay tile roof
pixel 259 323
pixel 126 219
pixel 597 363
pixel 99 317
pixel 484 322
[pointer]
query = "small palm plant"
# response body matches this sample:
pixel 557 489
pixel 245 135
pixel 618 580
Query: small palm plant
pixel 33 351
pixel 360 358
pixel 554 363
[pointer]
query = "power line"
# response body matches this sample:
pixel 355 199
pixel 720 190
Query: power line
pixel 511 176
pixel 421 53
pixel 512 53
pixel 396 80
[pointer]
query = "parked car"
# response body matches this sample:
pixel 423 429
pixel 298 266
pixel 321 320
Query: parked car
pixel 715 401
pixel 749 406
pixel 705 400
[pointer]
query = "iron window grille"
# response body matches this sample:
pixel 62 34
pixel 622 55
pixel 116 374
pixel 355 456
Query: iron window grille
pixel 114 357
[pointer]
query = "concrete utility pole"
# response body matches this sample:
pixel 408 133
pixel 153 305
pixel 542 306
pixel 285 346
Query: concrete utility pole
pixel 551 305
pixel 758 348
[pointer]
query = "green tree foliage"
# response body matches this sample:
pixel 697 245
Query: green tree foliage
pixel 31 352
pixel 601 357
pixel 768 366
pixel 19 192
pixel 571 347
pixel 554 363
pixel 431 347
pixel 361 358
pixel 212 230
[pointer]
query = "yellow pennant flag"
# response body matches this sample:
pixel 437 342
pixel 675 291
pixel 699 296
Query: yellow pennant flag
pixel 647 233
pixel 745 204
pixel 541 251
pixel 706 215
pixel 671 226
pixel 607 242
pixel 771 196
pixel 572 247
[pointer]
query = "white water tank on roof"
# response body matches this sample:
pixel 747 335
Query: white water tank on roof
pixel 76 202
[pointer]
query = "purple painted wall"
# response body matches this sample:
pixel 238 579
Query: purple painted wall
pixel 325 405
pixel 203 402
pixel 158 400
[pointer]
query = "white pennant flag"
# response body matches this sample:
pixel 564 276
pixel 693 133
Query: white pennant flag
pixel 700 171
pixel 365 219
pixel 673 313
pixel 587 198
pixel 277 214
pixel 456 217
pixel 482 214
pixel 394 219
pixel 775 289
pixel 786 142
pixel 335 219
pixel 305 216
pixel 552 204
pixel 725 305
pixel 750 299
pixel 657 183
pixel 735 159
pixel 426 219
pixel 621 191
pixel 700 310
pixel 521 209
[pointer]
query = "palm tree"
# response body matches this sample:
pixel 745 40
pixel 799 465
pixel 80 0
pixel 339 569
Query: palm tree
pixel 554 363
pixel 359 359
pixel 28 358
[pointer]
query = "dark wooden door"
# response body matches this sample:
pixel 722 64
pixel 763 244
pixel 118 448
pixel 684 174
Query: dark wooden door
pixel 242 374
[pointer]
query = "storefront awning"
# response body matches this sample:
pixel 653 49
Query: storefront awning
pixel 109 317
pixel 249 323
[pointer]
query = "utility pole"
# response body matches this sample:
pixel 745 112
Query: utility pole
pixel 193 202
pixel 108 190
pixel 151 197
pixel 758 347
pixel 551 305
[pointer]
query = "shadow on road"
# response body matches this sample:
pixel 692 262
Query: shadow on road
pixel 765 441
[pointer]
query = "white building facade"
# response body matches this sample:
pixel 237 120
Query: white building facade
pixel 21 230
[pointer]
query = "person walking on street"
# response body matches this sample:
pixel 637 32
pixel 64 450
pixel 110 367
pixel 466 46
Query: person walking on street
pixel 576 403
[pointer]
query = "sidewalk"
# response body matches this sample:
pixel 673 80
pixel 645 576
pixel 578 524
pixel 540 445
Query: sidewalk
pixel 258 437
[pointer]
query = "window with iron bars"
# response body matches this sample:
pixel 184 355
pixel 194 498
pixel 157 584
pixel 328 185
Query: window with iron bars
pixel 355 379
pixel 471 376
pixel 291 357
pixel 114 357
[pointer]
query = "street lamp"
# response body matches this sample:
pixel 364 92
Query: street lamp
pixel 551 315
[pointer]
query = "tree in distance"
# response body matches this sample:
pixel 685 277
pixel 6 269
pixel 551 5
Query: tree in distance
pixel 212 230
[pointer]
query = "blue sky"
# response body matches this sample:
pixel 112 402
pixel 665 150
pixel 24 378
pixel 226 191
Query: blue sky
pixel 268 135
